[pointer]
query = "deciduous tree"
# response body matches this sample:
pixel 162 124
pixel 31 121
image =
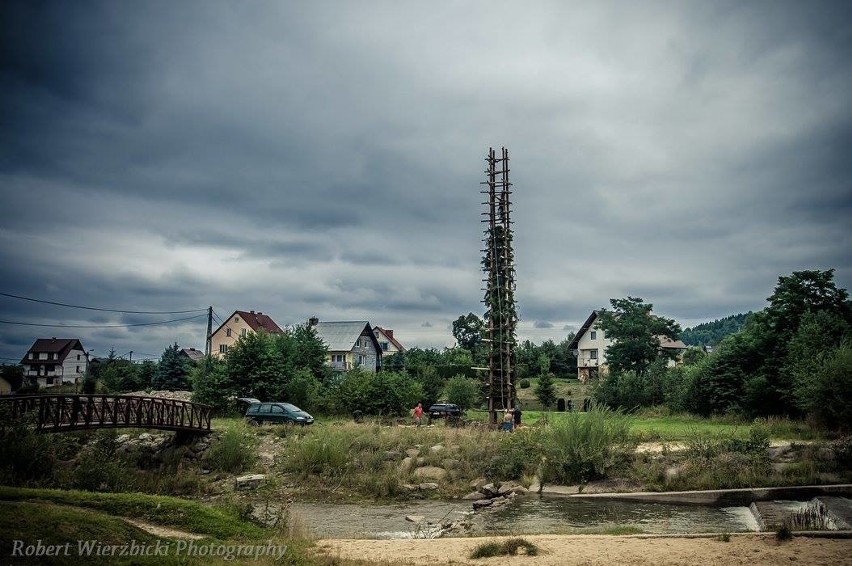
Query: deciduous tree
pixel 636 333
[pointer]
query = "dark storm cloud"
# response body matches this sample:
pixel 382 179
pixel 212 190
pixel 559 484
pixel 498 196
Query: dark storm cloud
pixel 301 159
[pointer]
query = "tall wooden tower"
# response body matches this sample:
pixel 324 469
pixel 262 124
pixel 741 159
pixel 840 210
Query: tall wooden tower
pixel 501 316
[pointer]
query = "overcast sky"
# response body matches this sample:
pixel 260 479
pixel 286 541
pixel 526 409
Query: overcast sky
pixel 324 158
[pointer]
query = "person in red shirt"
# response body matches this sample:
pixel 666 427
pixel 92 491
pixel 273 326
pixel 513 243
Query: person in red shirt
pixel 418 413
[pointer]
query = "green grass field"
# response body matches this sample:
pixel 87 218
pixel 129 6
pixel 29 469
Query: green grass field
pixel 674 428
pixel 57 517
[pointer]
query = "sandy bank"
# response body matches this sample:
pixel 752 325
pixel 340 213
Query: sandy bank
pixel 752 549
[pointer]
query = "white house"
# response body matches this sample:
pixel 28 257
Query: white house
pixel 591 342
pixel 54 361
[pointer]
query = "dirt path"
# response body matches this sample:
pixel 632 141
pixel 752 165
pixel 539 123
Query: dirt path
pixel 604 550
pixel 161 531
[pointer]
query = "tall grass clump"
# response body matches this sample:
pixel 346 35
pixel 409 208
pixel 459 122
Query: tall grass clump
pixel 586 446
pixel 324 452
pixel 519 454
pixel 725 461
pixel 234 451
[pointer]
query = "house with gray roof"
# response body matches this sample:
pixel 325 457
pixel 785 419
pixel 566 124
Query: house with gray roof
pixel 350 344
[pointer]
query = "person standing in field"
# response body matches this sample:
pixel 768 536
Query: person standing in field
pixel 418 413
pixel 508 421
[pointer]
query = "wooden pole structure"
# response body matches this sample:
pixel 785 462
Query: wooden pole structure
pixel 499 277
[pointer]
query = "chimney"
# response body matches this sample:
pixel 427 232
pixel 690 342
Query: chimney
pixel 252 312
pixel 313 321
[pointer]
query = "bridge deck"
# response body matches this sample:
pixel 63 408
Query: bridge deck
pixel 63 413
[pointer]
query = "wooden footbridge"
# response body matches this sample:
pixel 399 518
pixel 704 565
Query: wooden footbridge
pixel 65 413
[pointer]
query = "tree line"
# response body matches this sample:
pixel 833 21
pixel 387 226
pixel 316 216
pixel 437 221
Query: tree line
pixel 793 358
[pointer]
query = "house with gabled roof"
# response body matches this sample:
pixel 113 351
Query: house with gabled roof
pixel 238 325
pixel 589 347
pixel 350 344
pixel 387 342
pixel 55 361
pixel 191 354
pixel 590 343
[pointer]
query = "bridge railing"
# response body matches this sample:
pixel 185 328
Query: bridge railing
pixel 54 413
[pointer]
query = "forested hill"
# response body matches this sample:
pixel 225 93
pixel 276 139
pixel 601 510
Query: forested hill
pixel 710 333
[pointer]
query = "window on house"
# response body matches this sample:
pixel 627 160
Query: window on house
pixel 32 356
pixel 593 354
pixel 384 346
pixel 228 332
pixel 593 335
pixel 42 356
pixel 78 357
pixel 243 332
pixel 78 369
pixel 236 319
pixel 223 348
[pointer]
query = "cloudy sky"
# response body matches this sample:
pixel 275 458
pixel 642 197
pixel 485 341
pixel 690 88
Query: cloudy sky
pixel 324 158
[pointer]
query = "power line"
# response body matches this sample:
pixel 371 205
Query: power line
pixel 18 323
pixel 95 308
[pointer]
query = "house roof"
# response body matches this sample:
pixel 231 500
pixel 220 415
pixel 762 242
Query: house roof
pixel 666 342
pixel 192 354
pixel 255 320
pixel 60 346
pixel 341 336
pixel 586 325
pixel 389 335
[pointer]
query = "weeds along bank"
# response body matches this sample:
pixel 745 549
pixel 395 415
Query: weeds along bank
pixel 334 460
pixel 586 449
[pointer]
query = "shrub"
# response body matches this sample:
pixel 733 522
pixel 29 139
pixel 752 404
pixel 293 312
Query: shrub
pixel 784 533
pixel 28 457
pixel 100 468
pixel 525 383
pixel 463 391
pixel 723 461
pixel 519 454
pixel 304 390
pixel 586 446
pixel 508 547
pixel 234 451
pixel 383 393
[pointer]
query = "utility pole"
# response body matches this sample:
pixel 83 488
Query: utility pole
pixel 208 343
pixel 130 357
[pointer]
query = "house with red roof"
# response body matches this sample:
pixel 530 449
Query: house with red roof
pixel 54 361
pixel 387 342
pixel 238 325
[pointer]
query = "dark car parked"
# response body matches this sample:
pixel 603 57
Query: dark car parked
pixel 285 413
pixel 441 410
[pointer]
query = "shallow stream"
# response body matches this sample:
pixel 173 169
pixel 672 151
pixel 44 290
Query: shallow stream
pixel 522 516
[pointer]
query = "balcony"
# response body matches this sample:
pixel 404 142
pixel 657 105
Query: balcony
pixel 587 362
pixel 341 366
